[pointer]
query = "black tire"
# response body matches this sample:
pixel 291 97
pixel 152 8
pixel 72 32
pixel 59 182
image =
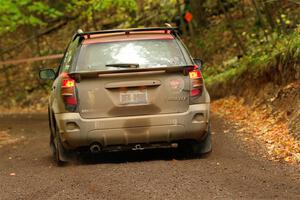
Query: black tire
pixel 58 151
pixel 57 154
pixel 202 148
pixel 52 145
pixel 52 133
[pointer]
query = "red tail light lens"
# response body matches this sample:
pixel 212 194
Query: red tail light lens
pixel 196 81
pixel 195 92
pixel 68 92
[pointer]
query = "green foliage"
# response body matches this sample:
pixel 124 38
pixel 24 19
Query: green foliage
pixel 213 42
pixel 88 8
pixel 24 12
pixel 285 47
pixel 14 14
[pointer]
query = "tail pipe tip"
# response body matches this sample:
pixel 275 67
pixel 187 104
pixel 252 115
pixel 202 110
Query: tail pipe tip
pixel 95 148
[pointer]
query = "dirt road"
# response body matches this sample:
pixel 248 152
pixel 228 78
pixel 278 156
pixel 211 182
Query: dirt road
pixel 231 171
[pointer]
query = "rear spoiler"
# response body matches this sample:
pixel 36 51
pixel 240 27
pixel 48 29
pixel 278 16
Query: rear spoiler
pixel 96 74
pixel 171 30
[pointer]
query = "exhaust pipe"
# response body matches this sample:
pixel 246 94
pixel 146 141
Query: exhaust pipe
pixel 95 148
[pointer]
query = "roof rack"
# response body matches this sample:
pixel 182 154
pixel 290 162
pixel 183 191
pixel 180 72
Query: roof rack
pixel 173 30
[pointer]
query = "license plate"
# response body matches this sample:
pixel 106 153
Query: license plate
pixel 134 97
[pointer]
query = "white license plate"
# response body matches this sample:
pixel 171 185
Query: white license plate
pixel 134 97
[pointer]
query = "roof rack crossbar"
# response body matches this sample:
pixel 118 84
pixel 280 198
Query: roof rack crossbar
pixel 127 31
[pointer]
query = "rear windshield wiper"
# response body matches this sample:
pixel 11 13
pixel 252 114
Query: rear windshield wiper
pixel 123 65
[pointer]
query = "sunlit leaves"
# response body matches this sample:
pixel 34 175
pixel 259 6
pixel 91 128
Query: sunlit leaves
pixel 42 9
pixel 261 55
pixel 88 8
pixel 24 12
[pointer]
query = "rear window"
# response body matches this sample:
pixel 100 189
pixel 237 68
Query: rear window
pixel 145 53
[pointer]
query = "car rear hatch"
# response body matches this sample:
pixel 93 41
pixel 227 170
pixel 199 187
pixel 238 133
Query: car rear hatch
pixel 154 84
pixel 139 92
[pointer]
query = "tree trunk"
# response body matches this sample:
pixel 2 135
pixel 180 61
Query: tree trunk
pixel 242 7
pixel 6 74
pixel 268 13
pixel 94 20
pixel 279 11
pixel 140 7
pixel 229 23
pixel 182 23
pixel 199 13
pixel 257 11
pixel 259 17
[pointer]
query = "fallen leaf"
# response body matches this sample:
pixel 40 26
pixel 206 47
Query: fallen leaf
pixel 269 128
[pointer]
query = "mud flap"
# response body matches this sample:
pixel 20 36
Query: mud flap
pixel 204 146
pixel 201 148
pixel 64 155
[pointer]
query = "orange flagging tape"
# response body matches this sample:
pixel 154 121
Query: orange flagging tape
pixel 26 60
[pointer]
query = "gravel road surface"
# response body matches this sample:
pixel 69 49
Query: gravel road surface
pixel 231 171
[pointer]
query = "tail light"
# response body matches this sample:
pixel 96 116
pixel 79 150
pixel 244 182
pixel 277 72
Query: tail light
pixel 68 92
pixel 196 81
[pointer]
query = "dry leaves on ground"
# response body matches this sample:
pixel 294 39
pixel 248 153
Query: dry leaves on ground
pixel 31 109
pixel 6 138
pixel 270 130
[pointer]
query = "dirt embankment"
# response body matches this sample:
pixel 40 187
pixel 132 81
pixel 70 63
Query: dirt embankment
pixel 266 105
pixel 275 89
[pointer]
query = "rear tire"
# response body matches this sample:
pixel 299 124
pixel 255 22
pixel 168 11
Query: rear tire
pixel 59 159
pixel 201 148
pixel 58 151
pixel 52 134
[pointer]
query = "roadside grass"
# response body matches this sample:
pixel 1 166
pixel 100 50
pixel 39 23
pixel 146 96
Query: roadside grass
pixel 286 48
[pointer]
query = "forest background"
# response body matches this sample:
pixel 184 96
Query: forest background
pixel 231 36
pixel 250 49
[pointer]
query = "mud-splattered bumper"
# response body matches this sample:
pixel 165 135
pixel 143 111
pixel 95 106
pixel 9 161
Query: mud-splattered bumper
pixel 77 132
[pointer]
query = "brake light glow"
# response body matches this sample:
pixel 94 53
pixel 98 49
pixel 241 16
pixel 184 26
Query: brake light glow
pixel 68 92
pixel 196 82
pixel 195 74
pixel 68 83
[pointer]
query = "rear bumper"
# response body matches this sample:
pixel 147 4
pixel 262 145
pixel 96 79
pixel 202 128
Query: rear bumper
pixel 78 132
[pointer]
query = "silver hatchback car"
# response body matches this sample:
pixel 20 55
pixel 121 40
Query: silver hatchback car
pixel 129 89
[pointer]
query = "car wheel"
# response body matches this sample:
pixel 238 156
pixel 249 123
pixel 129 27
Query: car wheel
pixel 52 132
pixel 199 148
pixel 58 151
pixel 203 147
pixel 52 145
